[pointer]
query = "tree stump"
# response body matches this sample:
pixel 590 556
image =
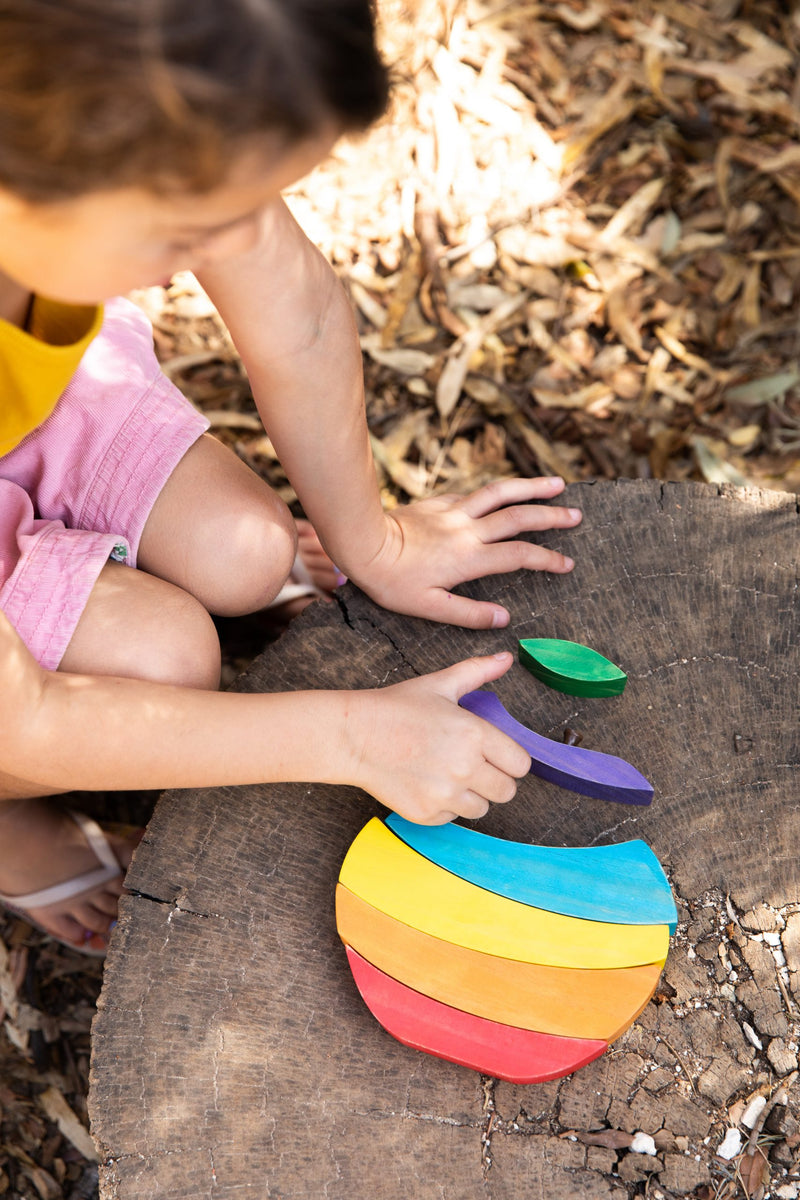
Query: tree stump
pixel 233 1056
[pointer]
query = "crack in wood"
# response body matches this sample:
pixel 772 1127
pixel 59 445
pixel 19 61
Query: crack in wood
pixel 175 905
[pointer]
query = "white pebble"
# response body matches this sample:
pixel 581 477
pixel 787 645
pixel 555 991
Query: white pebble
pixel 731 1145
pixel 752 1036
pixel 753 1111
pixel 643 1144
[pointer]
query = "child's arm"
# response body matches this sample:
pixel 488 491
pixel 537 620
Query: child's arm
pixel 409 745
pixel 294 328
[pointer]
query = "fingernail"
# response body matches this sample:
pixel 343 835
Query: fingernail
pixel 555 479
pixel 341 579
pixel 503 654
pixel 568 563
pixel 575 513
pixel 499 619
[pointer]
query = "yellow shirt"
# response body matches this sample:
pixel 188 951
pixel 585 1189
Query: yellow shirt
pixel 37 364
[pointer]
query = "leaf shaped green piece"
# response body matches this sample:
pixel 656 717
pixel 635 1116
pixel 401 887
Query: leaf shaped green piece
pixel 571 668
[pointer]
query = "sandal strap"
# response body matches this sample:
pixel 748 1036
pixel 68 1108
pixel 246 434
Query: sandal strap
pixel 298 584
pixel 109 869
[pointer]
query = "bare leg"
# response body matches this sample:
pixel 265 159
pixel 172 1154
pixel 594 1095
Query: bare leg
pixel 219 532
pixel 134 626
pixel 217 540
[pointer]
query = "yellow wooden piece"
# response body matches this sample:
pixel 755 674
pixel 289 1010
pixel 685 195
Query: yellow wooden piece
pixel 565 1001
pixel 392 877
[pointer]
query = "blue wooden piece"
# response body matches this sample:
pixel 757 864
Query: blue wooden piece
pixel 621 884
pixel 588 772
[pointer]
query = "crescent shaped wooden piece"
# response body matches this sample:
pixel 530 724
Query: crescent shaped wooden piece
pixel 384 871
pixel 588 772
pixel 516 1055
pixel 563 1001
pixel 622 884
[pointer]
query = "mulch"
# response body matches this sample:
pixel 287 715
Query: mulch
pixel 573 247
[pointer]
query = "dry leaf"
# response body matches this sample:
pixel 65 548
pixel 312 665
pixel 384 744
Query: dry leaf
pixel 761 391
pixel 404 361
pixel 412 478
pixel 714 468
pixel 229 419
pixel 754 1172
pixel 611 1139
pixel 56 1108
pixel 43 1181
pixel 631 215
pixel 454 372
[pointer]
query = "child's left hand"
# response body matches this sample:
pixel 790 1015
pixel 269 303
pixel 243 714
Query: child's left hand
pixel 438 543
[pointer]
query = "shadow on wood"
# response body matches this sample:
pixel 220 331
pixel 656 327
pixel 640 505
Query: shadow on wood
pixel 232 1054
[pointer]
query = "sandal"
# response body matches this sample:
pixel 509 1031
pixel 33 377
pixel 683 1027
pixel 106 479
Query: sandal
pixel 298 586
pixel 109 869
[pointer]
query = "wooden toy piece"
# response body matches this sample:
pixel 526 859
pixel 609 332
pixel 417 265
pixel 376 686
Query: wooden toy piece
pixel 558 1000
pixel 516 1055
pixel 384 871
pixel 588 772
pixel 622 884
pixel 570 667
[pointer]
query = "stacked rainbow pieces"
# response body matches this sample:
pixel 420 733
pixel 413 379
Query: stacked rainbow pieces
pixel 522 962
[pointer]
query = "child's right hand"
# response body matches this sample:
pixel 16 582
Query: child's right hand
pixel 417 752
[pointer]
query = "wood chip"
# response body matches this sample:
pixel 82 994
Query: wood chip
pixel 57 1110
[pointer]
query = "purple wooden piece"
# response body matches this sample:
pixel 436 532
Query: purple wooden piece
pixel 588 772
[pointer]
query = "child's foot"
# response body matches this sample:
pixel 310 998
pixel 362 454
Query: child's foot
pixel 42 846
pixel 313 577
pixel 324 575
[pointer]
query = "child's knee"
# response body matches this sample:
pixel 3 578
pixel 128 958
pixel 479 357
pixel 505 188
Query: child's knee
pixel 140 627
pixel 181 647
pixel 260 555
pixel 188 654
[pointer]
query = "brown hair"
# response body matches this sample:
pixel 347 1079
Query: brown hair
pixel 165 93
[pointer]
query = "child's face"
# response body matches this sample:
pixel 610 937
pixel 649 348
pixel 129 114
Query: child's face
pixel 103 244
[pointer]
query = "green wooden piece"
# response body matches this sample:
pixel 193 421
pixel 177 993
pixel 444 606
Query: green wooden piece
pixel 571 668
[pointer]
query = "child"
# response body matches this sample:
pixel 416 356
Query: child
pixel 138 138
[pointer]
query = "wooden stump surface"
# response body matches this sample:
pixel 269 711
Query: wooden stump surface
pixel 233 1057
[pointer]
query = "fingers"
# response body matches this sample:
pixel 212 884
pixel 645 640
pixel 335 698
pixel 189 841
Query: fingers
pixel 471 673
pixel 503 492
pixel 500 760
pixel 489 786
pixel 472 806
pixel 505 755
pixel 493 785
pixel 450 609
pixel 502 559
pixel 506 557
pixel 526 518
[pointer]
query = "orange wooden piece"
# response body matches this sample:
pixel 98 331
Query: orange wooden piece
pixel 518 1055
pixel 569 1002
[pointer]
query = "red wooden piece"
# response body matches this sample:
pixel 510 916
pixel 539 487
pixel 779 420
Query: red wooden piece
pixel 516 1055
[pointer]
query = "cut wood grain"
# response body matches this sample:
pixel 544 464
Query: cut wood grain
pixel 233 1055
